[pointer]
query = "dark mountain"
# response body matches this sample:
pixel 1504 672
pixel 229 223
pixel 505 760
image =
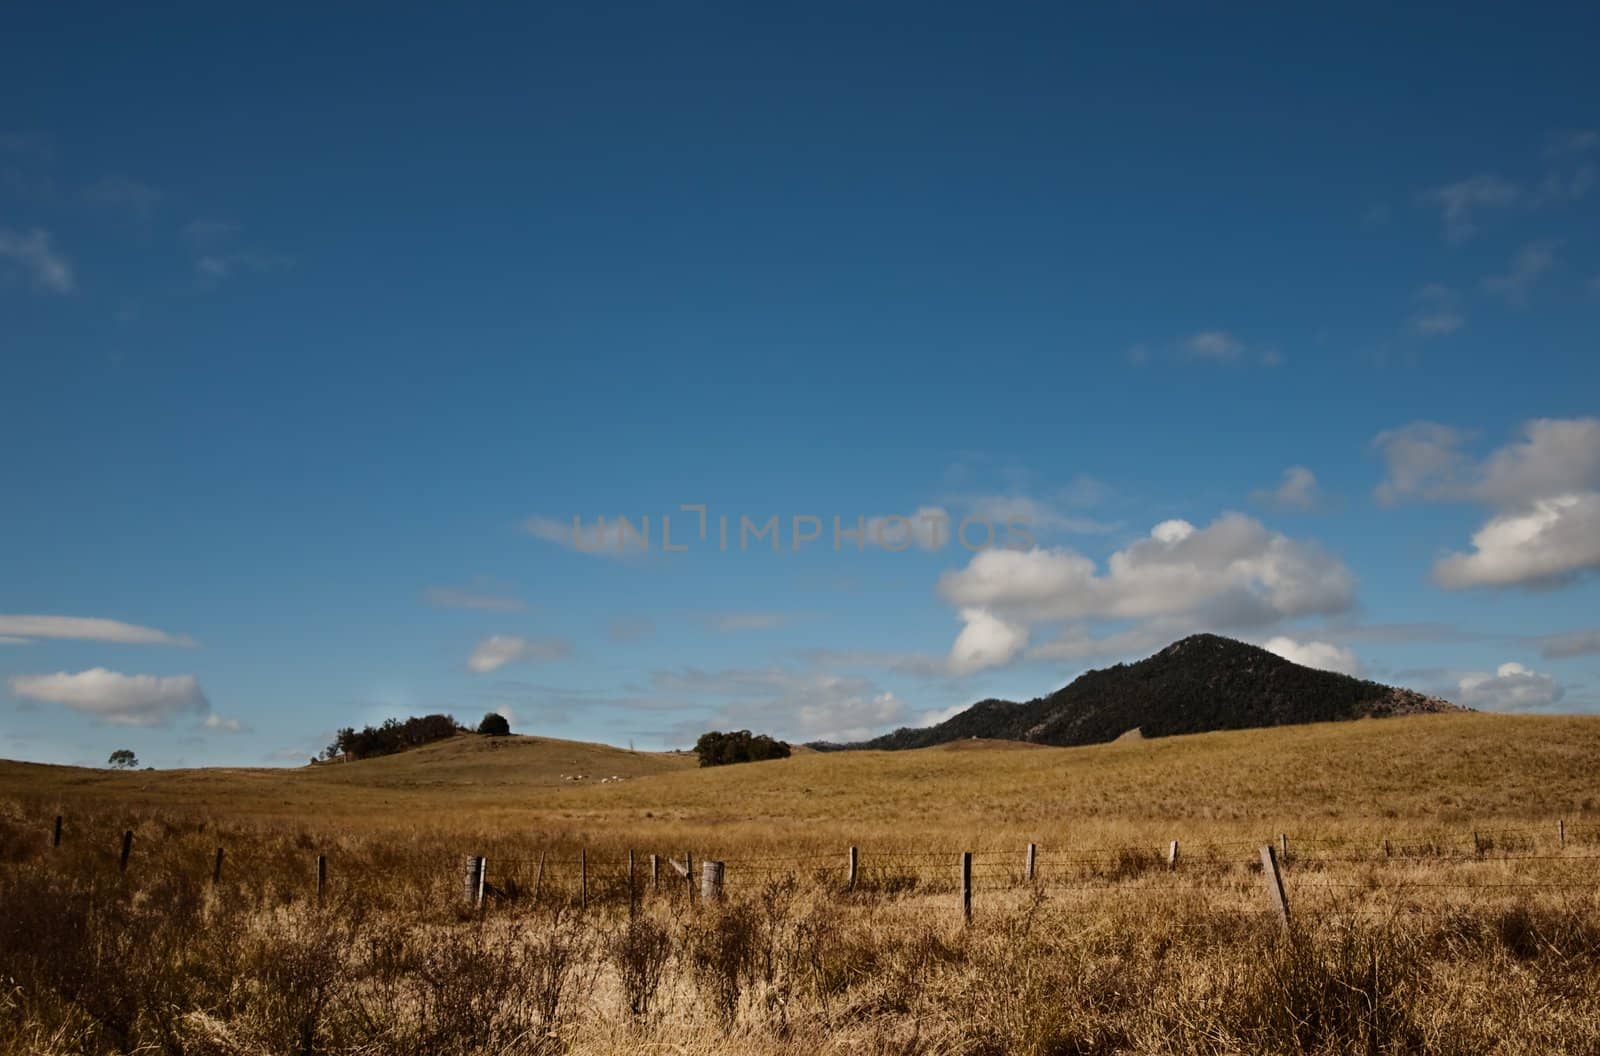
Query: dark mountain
pixel 1204 682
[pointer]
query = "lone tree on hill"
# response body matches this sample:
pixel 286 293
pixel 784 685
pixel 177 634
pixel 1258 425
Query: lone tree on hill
pixel 719 749
pixel 494 724
pixel 123 759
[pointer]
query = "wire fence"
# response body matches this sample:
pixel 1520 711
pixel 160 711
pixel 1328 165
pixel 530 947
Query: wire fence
pixel 1318 875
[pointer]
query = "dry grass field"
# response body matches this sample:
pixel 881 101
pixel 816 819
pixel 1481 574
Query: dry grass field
pixel 1436 905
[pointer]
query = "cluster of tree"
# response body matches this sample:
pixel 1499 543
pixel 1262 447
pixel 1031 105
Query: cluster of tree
pixel 741 746
pixel 395 735
pixel 494 724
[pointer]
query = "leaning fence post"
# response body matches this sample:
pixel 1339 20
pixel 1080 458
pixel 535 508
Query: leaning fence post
pixel 472 878
pixel 966 887
pixel 1033 857
pixel 127 849
pixel 583 878
pixel 216 868
pixel 852 863
pixel 711 881
pixel 1274 878
pixel 322 876
pixel 1172 857
pixel 538 877
pixel 55 840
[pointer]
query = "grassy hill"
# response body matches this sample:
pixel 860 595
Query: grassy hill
pixel 467 772
pixel 1450 769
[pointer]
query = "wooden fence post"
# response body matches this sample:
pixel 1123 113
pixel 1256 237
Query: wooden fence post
pixel 1269 868
pixel 1172 857
pixel 655 872
pixel 1561 830
pixel 472 878
pixel 583 878
pixel 1033 858
pixel 632 890
pixel 711 881
pixel 55 840
pixel 322 876
pixel 1283 846
pixel 538 877
pixel 853 862
pixel 1386 852
pixel 127 849
pixel 688 872
pixel 966 887
pixel 216 868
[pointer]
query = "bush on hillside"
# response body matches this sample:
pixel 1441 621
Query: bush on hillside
pixel 741 746
pixel 494 724
pixel 395 735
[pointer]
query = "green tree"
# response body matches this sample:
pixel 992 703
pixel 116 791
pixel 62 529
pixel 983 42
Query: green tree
pixel 494 724
pixel 123 759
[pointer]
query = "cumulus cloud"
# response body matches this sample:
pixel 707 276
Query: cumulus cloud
pixel 1544 490
pixel 1324 656
pixel 1232 573
pixel 1511 687
pixel 1235 566
pixel 1297 491
pixel 1546 545
pixel 218 724
pixel 115 698
pixel 498 650
pixel 1460 203
pixel 87 628
pixel 36 253
pixel 985 641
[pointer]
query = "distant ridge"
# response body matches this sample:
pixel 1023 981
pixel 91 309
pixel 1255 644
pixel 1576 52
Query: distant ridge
pixel 1201 683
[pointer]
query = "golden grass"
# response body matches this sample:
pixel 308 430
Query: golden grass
pixel 1479 932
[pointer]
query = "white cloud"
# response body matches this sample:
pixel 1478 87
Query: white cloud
pixel 796 705
pixel 87 628
pixel 218 724
pixel 1234 566
pixel 455 598
pixel 112 697
pixel 1459 202
pixel 927 528
pixel 1572 643
pixel 1324 656
pixel 1511 687
pixel 1218 345
pixel 35 251
pixel 737 622
pixel 1424 461
pixel 1232 573
pixel 1544 489
pixel 986 641
pixel 498 650
pixel 1297 491
pixel 1546 545
pixel 1528 266
pixel 1436 311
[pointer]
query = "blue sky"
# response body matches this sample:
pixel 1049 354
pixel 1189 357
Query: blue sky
pixel 318 328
